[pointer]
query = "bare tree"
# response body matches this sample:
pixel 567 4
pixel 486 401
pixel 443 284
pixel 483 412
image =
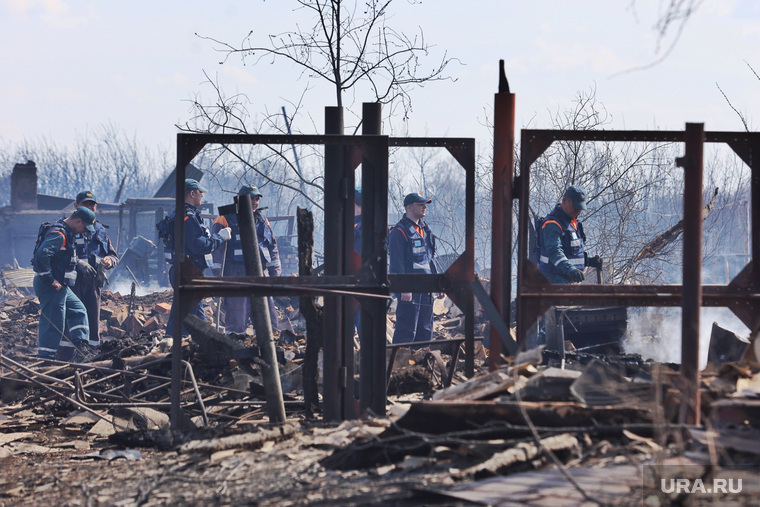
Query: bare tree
pixel 349 48
pixel 742 116
pixel 671 19
pixel 100 160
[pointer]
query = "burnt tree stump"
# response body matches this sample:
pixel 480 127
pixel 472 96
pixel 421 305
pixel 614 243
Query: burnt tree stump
pixel 312 313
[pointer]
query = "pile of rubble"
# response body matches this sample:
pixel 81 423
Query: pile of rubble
pixel 541 429
pixel 134 357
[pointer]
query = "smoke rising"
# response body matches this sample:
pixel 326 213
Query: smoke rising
pixel 655 333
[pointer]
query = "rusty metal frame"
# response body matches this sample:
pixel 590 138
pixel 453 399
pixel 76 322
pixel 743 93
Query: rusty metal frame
pixel 742 295
pixel 371 281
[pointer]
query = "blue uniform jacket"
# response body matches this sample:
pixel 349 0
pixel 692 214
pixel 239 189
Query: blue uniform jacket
pixel 409 250
pixel 56 257
pixel 562 244
pixel 270 253
pixel 199 242
pixel 92 245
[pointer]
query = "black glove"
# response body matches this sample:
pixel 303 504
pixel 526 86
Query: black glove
pixel 84 269
pixel 575 276
pixel 101 278
pixel 594 262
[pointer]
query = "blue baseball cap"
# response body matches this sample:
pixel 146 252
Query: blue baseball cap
pixel 415 198
pixel 576 194
pixel 191 184
pixel 85 196
pixel 87 216
pixel 250 190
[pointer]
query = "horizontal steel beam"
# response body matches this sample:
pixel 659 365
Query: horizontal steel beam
pixel 675 136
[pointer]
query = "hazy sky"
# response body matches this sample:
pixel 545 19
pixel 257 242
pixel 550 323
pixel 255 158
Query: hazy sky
pixel 71 66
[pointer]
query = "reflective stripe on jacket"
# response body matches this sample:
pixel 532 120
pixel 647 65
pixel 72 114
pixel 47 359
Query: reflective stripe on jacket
pixel 560 259
pixel 268 250
pixel 92 245
pixel 199 242
pixel 411 250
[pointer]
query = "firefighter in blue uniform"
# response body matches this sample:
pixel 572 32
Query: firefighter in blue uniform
pixel 54 263
pixel 199 241
pixel 411 249
pixel 93 250
pixel 237 310
pixel 562 257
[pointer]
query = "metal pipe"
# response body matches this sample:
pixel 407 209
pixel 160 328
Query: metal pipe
pixel 59 395
pixel 260 313
pixel 189 370
pixel 8 360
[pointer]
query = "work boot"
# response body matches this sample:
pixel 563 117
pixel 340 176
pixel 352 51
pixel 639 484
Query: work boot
pixel 84 352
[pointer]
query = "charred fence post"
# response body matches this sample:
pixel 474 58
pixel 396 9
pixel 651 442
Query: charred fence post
pixel 312 313
pixel 260 314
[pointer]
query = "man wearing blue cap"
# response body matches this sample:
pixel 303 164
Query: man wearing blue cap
pixel 199 242
pixel 54 261
pixel 562 257
pixel 237 310
pixel 93 250
pixel 411 249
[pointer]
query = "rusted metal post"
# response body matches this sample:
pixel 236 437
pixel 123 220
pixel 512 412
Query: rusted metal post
pixel 501 223
pixel 692 271
pixel 270 371
pixel 374 265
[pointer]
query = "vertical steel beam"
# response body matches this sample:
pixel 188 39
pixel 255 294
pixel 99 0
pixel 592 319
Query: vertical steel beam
pixel 692 271
pixel 374 264
pixel 334 383
pixel 180 305
pixel 467 297
pixel 350 405
pixel 501 224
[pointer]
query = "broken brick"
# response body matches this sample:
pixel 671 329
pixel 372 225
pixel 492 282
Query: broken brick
pixel 152 324
pixel 116 332
pixel 164 308
pixel 133 325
